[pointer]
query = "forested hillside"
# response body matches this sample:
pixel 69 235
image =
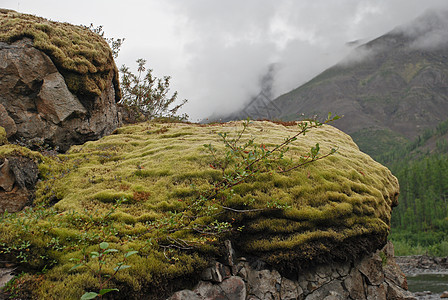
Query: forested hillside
pixel 420 222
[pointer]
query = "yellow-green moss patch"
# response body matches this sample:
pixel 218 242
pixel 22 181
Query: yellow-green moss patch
pixel 337 207
pixel 83 57
pixel 3 138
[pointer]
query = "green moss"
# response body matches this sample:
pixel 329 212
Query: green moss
pixel 111 196
pixel 3 138
pixel 14 150
pixel 83 57
pixel 339 207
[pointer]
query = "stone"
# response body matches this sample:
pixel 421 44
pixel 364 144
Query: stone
pixel 35 102
pixel 7 122
pixel 185 295
pixel 234 288
pixel 209 291
pixel 230 256
pixel 290 289
pixel 6 274
pixel 343 269
pixel 355 285
pixel 216 273
pixel 264 284
pixel 55 102
pixel 315 279
pixel 372 268
pixel 18 176
pixel 241 270
pixel 397 293
pixel 376 292
pixel 333 290
pixel 7 179
pixel 393 273
pixel 338 281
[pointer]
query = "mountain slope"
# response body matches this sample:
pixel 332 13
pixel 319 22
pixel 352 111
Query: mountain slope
pixel 394 86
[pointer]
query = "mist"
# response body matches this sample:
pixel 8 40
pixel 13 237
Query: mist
pixel 220 54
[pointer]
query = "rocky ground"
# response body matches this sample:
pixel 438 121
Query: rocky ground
pixel 423 264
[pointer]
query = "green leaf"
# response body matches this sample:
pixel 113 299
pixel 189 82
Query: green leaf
pixel 130 253
pixel 110 250
pixel 89 295
pixel 104 291
pixel 75 266
pixel 104 245
pixel 121 267
pixel 94 254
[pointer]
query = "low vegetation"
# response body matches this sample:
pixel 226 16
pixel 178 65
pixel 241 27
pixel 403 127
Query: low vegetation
pixel 164 192
pixel 420 222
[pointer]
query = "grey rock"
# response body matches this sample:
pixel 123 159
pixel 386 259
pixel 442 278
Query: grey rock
pixel 34 95
pixel 230 257
pixel 264 284
pixel 343 269
pixel 234 288
pixel 56 100
pixel 7 178
pixel 7 122
pixel 241 270
pixel 332 290
pixel 185 295
pixel 209 291
pixel 290 290
pixel 395 292
pixel 18 176
pixel 5 276
pixel 216 273
pixel 377 292
pixel 355 285
pixel 372 268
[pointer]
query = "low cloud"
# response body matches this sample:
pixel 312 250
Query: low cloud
pixel 218 51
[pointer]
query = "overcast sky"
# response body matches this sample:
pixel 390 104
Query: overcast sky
pixel 218 51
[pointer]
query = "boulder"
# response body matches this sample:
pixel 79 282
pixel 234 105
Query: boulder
pixel 43 98
pixel 18 176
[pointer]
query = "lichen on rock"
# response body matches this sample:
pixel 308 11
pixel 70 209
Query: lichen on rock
pixel 337 208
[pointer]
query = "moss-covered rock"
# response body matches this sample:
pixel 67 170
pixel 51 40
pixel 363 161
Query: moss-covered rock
pixel 81 56
pixel 335 208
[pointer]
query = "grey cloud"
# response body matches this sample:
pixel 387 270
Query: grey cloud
pixel 237 41
pixel 218 51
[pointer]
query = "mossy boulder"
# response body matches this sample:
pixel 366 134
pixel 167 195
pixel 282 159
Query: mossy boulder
pixel 337 208
pixel 82 56
pixel 59 82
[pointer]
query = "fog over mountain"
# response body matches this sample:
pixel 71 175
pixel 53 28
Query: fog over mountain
pixel 217 52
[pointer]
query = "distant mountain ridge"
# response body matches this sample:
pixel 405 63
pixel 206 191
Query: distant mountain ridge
pixel 393 87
